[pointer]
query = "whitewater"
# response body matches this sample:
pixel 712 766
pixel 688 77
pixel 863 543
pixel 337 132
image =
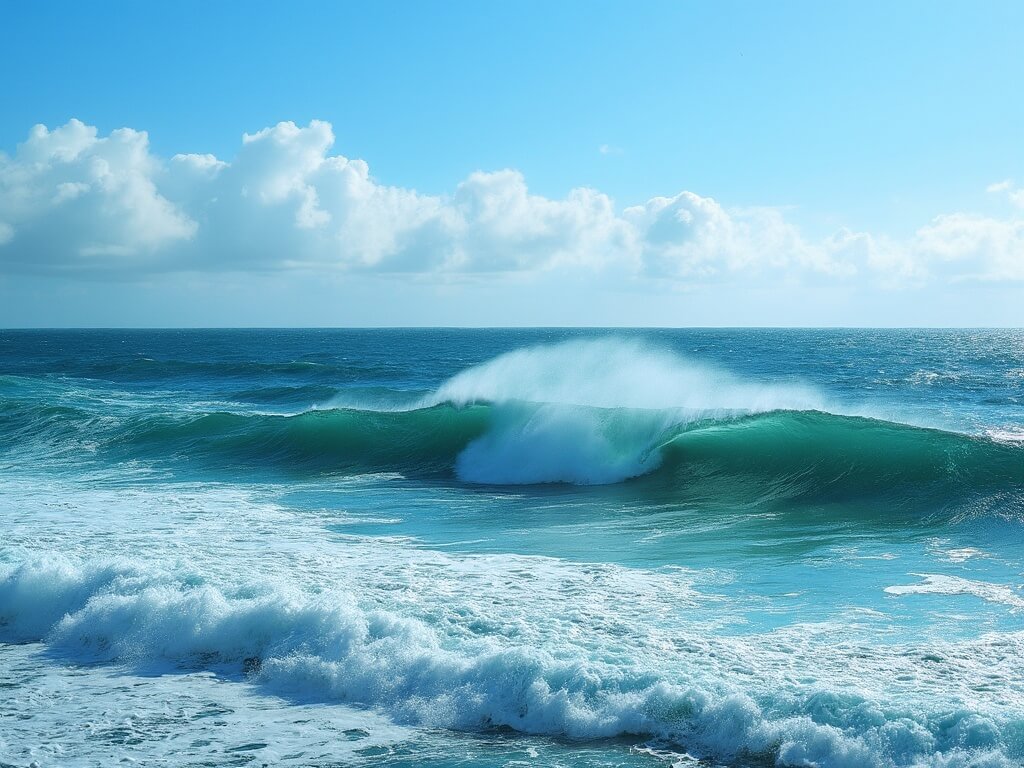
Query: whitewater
pixel 512 547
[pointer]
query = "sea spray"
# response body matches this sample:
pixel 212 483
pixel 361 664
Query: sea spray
pixel 618 373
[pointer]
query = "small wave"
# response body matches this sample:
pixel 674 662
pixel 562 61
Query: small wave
pixel 941 584
pixel 931 378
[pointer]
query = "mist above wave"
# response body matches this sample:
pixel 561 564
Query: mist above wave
pixel 616 373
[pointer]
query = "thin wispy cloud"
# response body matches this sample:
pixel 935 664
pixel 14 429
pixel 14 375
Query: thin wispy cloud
pixel 1008 187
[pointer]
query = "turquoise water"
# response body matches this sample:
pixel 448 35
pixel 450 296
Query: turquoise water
pixel 512 547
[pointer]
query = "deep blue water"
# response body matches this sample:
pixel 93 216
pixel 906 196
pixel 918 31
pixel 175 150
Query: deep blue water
pixel 509 547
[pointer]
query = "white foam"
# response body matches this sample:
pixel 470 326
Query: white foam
pixel 944 584
pixel 1010 436
pixel 186 719
pixel 459 669
pixel 181 579
pixel 617 373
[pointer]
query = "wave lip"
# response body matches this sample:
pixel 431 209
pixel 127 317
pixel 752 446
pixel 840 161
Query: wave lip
pixel 531 444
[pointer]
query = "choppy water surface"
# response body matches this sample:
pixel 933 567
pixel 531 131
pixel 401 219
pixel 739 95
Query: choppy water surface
pixel 512 547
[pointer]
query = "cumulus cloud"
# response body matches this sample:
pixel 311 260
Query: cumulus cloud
pixel 693 236
pixel 71 199
pixel 968 246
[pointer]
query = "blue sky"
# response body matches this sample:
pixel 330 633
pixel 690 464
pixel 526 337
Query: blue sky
pixel 746 163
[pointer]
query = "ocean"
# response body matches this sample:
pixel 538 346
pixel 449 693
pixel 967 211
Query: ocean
pixel 543 547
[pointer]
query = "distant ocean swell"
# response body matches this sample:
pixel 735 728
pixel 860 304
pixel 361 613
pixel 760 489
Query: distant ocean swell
pixel 327 646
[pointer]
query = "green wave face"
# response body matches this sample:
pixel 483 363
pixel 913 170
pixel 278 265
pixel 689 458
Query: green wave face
pixel 419 442
pixel 825 457
pixel 776 455
pixel 727 457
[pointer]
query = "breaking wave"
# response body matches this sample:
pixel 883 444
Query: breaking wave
pixel 584 413
pixel 330 647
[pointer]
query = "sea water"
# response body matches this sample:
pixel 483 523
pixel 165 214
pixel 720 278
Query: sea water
pixel 512 547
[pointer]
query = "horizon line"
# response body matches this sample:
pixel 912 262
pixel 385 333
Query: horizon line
pixel 512 328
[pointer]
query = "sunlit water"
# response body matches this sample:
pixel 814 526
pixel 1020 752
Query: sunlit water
pixel 576 548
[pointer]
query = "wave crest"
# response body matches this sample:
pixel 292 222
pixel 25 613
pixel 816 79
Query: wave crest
pixel 617 373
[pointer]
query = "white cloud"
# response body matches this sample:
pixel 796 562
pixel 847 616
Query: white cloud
pixel 953 247
pixel 1013 193
pixel 968 246
pixel 689 235
pixel 501 226
pixel 71 199
pixel 285 202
